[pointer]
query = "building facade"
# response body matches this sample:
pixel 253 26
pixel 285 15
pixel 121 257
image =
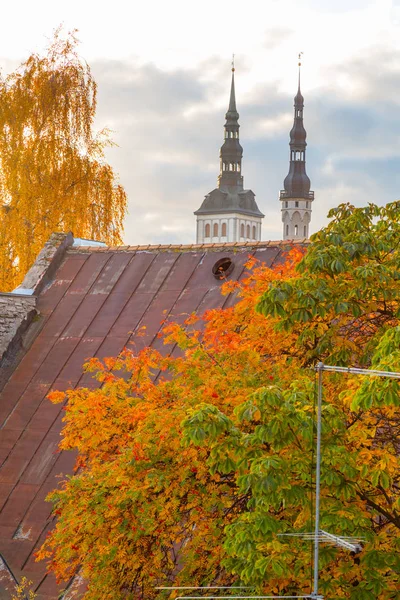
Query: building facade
pixel 296 197
pixel 229 213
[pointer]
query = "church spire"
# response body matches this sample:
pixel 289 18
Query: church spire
pixel 229 213
pixel 231 152
pixel 297 198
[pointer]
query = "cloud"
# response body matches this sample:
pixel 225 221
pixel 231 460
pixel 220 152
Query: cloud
pixel 275 37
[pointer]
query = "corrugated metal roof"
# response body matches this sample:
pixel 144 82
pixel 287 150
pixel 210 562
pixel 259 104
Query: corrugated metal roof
pixel 97 303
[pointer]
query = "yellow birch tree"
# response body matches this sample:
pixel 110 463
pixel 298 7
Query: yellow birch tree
pixel 53 174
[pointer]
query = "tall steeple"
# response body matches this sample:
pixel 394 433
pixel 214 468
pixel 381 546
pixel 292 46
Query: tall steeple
pixel 229 213
pixel 297 198
pixel 231 152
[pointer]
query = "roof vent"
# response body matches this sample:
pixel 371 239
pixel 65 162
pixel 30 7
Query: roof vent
pixel 223 268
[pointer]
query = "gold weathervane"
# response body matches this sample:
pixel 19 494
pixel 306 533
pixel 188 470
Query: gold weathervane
pixel 300 54
pixel 233 63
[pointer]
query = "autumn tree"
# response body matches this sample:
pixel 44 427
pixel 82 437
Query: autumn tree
pixel 191 468
pixel 53 175
pixel 343 308
pixel 142 509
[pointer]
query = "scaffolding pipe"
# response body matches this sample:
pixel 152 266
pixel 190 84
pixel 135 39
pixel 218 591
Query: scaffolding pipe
pixel 246 597
pixel 320 367
pixel 356 371
pixel 206 587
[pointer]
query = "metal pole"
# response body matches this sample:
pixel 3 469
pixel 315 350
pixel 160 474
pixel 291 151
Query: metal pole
pixel 320 367
pixel 356 371
pixel 245 597
pixel 206 587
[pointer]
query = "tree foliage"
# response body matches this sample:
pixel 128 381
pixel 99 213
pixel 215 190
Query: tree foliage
pixel 190 467
pixel 23 590
pixel 349 288
pixel 53 176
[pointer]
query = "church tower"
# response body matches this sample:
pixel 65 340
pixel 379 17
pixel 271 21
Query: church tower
pixel 297 198
pixel 229 213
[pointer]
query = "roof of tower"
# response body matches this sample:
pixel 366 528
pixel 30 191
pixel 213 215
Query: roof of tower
pixel 230 201
pixel 297 183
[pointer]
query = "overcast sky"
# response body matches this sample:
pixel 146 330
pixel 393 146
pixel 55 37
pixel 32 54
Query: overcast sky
pixel 163 74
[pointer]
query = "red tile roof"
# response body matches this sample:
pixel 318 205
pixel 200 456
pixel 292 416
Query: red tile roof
pixel 95 305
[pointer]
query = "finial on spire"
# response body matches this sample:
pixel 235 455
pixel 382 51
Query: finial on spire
pixel 299 64
pixel 300 53
pixel 233 63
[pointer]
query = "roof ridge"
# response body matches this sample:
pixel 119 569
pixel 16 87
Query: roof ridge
pixel 185 247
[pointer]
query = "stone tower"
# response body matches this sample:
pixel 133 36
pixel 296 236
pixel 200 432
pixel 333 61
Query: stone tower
pixel 229 213
pixel 297 198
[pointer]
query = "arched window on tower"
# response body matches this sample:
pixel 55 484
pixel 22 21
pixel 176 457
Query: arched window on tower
pixel 248 232
pixel 296 230
pixel 305 230
pixel 297 155
pixel 287 229
pixel 207 231
pixel 296 203
pixel 223 230
pixel 215 230
pixel 242 230
pixel 238 167
pixel 254 232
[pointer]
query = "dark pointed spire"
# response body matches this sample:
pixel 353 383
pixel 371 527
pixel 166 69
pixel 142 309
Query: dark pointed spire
pixel 231 151
pixel 297 182
pixel 297 198
pixel 229 213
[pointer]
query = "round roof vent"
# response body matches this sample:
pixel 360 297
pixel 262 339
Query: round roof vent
pixel 223 268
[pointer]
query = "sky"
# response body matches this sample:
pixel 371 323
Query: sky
pixel 163 75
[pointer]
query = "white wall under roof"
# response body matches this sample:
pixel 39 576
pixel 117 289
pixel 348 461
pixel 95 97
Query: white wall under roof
pixel 235 224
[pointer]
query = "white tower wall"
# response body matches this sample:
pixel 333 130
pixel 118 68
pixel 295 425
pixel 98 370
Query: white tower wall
pixel 228 227
pixel 296 217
